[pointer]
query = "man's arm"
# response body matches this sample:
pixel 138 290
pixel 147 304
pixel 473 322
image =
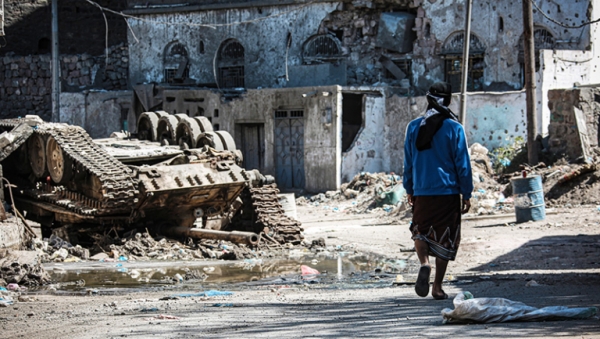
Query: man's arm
pixel 407 177
pixel 462 162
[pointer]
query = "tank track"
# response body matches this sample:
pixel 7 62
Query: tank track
pixel 270 217
pixel 118 187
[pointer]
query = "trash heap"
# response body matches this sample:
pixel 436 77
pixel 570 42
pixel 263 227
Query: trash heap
pixel 488 195
pixel 365 193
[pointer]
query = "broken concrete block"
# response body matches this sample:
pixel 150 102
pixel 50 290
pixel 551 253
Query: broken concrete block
pixel 396 32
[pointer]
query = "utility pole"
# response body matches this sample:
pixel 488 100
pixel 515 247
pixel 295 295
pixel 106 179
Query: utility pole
pixel 465 65
pixel 530 86
pixel 55 65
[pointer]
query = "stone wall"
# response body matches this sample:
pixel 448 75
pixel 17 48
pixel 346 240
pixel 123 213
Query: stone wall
pixel 81 27
pixel 27 80
pixel 574 119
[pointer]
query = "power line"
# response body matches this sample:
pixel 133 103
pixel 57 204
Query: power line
pixel 560 23
pixel 198 25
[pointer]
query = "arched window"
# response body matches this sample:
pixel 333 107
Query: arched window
pixel 321 49
pixel 452 51
pixel 176 63
pixel 231 64
pixel 542 39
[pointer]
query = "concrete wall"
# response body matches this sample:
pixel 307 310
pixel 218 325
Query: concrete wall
pixel 367 153
pixel 495 119
pixel 501 57
pixel 99 113
pixel 322 165
pixel 264 41
pixel 356 25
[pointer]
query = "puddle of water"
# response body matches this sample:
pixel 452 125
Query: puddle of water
pixel 337 270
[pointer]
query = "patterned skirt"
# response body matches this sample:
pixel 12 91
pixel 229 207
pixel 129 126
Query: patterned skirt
pixel 436 220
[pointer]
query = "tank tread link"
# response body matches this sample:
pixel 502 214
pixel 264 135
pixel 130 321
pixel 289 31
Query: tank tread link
pixel 269 215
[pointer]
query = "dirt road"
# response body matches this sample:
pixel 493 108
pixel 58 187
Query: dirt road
pixel 544 263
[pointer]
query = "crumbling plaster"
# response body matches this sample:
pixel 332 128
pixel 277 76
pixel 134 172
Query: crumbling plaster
pixel 501 56
pixel 264 41
pixel 99 113
pixel 355 23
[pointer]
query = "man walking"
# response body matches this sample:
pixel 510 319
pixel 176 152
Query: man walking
pixel 437 171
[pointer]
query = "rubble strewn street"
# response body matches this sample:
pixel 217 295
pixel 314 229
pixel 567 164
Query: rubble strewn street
pixel 292 169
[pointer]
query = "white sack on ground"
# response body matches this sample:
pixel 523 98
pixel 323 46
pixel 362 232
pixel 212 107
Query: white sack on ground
pixel 496 310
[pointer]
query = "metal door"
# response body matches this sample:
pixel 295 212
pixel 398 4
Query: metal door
pixel 289 149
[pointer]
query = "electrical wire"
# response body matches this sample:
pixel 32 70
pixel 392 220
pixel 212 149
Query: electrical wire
pixel 560 23
pixel 214 26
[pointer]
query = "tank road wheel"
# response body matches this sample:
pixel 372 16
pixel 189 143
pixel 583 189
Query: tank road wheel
pixel 188 131
pixel 210 139
pixel 227 140
pixel 36 148
pixel 166 130
pixel 147 125
pixel 204 123
pixel 59 164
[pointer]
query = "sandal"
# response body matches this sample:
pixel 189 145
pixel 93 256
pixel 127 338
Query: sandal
pixel 440 297
pixel 422 285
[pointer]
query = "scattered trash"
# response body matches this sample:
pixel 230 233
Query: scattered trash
pixel 150 309
pixel 209 293
pixel 164 317
pixel 493 310
pixel 308 270
pixel 223 305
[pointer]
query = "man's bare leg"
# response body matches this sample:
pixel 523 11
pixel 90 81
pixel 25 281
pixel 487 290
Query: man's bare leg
pixel 422 250
pixel 440 270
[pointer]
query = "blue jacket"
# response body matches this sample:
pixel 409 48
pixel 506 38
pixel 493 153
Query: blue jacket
pixel 443 169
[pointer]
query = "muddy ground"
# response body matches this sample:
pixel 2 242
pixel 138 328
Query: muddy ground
pixel 543 263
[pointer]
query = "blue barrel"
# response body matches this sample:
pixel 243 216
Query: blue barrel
pixel 528 195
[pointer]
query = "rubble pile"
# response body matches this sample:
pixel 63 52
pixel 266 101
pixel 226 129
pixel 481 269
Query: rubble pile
pixel 142 246
pixel 488 194
pixel 383 192
pixel 567 185
pixel 22 268
pixel 365 193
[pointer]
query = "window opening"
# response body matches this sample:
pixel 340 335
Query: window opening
pixel 352 118
pixel 500 24
pixel 452 52
pixel 199 111
pixel 231 64
pixel 281 114
pixel 216 113
pixel 44 46
pixel 201 47
pixel 176 60
pixel 216 127
pixel 322 49
pixel 542 39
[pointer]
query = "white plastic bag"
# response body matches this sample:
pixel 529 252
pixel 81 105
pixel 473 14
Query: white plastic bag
pixel 496 310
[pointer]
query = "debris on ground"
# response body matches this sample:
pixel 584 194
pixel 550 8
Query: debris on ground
pixel 468 309
pixel 21 268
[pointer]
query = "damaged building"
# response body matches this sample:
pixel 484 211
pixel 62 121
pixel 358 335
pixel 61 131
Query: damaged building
pixel 314 92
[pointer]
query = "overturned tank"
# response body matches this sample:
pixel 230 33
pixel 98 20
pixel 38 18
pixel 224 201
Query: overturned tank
pixel 176 176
